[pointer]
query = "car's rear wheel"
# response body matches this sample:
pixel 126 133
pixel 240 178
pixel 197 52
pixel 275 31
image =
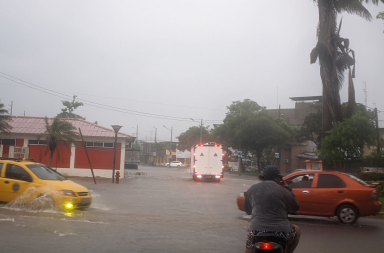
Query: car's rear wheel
pixel 178 166
pixel 347 214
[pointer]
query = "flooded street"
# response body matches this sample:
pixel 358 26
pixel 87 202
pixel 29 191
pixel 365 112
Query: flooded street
pixel 164 210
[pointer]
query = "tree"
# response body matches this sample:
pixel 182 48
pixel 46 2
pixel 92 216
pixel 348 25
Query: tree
pixel 333 53
pixel 191 137
pixel 311 128
pixel 59 132
pixel 347 139
pixel 252 131
pixel 247 106
pixel 260 132
pixel 4 118
pixel 375 159
pixel 381 14
pixel 67 112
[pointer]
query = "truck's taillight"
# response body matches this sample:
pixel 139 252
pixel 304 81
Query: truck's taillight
pixel 194 166
pixel 217 176
pixel 222 166
pixel 199 176
pixel 222 154
pixel 194 154
pixel 201 145
pixel 375 194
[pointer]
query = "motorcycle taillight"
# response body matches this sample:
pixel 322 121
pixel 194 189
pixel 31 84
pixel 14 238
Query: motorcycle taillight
pixel 266 245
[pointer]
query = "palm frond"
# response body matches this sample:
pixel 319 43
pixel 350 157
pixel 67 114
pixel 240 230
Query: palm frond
pixel 5 127
pixel 314 54
pixel 353 7
pixel 375 2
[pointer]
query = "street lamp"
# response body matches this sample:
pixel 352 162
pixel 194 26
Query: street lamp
pixel 116 128
pixel 155 158
pixel 170 149
pixel 201 129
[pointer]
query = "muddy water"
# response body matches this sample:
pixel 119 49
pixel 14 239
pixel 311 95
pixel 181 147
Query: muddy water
pixel 161 210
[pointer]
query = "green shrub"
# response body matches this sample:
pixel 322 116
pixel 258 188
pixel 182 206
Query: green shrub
pixel 371 176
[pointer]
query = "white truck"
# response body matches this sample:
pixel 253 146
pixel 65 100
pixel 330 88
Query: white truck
pixel 207 162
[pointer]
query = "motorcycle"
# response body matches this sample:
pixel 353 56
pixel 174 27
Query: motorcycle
pixel 269 242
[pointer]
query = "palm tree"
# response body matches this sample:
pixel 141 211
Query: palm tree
pixel 4 118
pixel 59 132
pixel 331 49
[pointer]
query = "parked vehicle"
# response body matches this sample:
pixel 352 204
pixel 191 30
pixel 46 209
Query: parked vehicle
pixel 35 180
pixel 132 159
pixel 331 193
pixel 207 162
pixel 174 164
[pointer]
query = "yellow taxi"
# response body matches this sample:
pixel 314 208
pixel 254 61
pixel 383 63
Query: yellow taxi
pixel 26 181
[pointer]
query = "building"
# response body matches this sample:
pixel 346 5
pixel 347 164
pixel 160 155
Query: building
pixel 303 107
pixel 27 140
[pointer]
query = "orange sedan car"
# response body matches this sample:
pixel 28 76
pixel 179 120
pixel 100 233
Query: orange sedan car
pixel 330 193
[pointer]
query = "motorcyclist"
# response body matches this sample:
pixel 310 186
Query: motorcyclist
pixel 269 203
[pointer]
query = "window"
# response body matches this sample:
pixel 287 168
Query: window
pixel 1 167
pixel 37 142
pixel 108 144
pixel 301 181
pixel 100 144
pixel 45 173
pixel 18 173
pixel 9 142
pixel 330 181
pixel 358 180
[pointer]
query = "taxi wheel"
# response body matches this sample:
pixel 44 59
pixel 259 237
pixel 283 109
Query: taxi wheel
pixel 347 214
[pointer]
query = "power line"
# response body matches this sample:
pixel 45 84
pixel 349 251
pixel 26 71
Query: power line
pixel 116 97
pixel 90 103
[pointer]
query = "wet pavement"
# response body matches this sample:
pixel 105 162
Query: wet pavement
pixel 164 210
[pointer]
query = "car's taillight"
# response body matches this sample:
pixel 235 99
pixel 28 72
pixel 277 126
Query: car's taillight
pixel 375 194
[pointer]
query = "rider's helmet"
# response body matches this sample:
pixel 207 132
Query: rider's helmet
pixel 270 172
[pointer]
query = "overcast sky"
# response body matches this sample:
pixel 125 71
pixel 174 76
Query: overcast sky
pixel 181 59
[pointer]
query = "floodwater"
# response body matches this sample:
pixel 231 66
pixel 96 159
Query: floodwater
pixel 163 210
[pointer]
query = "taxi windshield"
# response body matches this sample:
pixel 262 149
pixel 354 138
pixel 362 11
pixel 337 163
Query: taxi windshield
pixel 45 173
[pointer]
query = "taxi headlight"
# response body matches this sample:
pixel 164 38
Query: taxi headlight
pixel 67 193
pixel 69 205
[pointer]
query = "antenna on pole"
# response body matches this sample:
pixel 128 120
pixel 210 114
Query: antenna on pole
pixel 365 91
pixel 277 97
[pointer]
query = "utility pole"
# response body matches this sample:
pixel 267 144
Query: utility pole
pixel 201 131
pixel 137 133
pixel 170 148
pixel 11 107
pixel 365 91
pixel 377 132
pixel 279 113
pixel 155 135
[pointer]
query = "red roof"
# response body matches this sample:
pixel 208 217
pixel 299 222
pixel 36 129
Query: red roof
pixel 36 125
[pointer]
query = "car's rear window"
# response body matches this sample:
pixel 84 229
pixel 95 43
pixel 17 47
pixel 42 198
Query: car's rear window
pixel 358 180
pixel 45 173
